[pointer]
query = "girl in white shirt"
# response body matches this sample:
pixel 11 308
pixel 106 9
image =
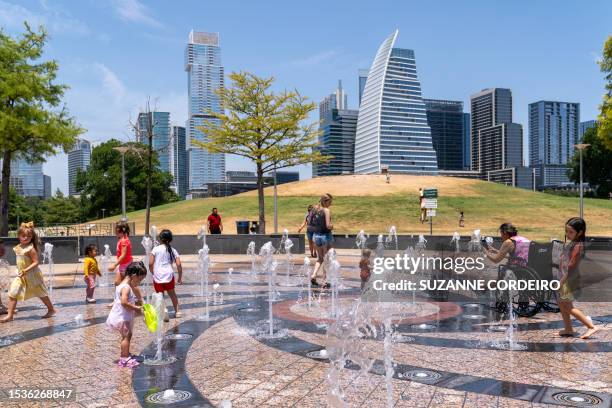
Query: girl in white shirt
pixel 160 265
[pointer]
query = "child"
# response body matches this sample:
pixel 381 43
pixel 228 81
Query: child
pixel 90 268
pixel 160 265
pixel 29 281
pixel 575 230
pixel 124 251
pixel 364 266
pixel 124 255
pixel 461 219
pixel 121 316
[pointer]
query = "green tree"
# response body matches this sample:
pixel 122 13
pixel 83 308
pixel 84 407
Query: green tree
pixel 100 184
pixel 62 210
pixel 20 209
pixel 596 162
pixel 605 115
pixel 263 126
pixel 33 124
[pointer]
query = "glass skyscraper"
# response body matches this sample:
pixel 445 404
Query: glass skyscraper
pixel 337 138
pixel 179 161
pixel 445 118
pixel 467 141
pixel 392 129
pixel 363 77
pixel 28 179
pixel 160 123
pixel 584 126
pixel 78 159
pixel 554 129
pixel 204 76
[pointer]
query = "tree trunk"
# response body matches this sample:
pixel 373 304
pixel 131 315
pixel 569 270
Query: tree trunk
pixel 149 171
pixel 260 196
pixel 4 204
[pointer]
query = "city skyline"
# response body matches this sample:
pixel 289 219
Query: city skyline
pixel 529 63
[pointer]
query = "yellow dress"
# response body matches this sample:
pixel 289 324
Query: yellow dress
pixel 30 285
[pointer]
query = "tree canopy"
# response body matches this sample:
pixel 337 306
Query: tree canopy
pixel 265 127
pixel 33 121
pixel 100 184
pixel 605 116
pixel 597 164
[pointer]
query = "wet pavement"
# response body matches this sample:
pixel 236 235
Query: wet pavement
pixel 448 355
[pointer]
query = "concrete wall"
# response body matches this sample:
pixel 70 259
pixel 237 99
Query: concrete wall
pixel 64 249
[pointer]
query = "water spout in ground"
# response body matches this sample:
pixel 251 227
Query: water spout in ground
pixel 48 256
pixel 361 240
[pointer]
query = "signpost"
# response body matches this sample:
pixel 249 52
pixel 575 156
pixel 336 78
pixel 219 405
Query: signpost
pixel 430 203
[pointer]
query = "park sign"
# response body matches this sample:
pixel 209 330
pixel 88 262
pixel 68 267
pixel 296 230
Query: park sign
pixel 430 203
pixel 430 192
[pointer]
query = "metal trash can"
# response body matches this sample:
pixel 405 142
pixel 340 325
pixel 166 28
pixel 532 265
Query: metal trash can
pixel 242 227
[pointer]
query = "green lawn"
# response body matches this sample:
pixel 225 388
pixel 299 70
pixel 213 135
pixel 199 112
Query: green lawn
pixel 537 215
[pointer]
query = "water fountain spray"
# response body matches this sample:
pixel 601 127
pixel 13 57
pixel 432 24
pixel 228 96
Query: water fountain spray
pixel 106 257
pixel 333 273
pixel 455 240
pixel 267 253
pixel 392 237
pixel 361 240
pixel 252 253
pixel 147 244
pixel 380 247
pixel 202 235
pixel 203 266
pixel 474 245
pixel 288 262
pixel 306 272
pixel 421 245
pixel 48 257
pixel 157 300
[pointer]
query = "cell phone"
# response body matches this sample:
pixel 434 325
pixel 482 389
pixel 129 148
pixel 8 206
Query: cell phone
pixel 484 243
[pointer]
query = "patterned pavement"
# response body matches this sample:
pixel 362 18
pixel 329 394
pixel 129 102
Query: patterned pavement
pixel 229 359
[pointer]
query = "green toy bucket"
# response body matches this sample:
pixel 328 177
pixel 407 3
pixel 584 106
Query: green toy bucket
pixel 150 317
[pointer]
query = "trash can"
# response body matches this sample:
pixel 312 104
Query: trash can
pixel 242 227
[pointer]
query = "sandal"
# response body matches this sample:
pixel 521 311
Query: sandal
pixel 129 362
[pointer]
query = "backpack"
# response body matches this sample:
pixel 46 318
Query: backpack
pixel 316 220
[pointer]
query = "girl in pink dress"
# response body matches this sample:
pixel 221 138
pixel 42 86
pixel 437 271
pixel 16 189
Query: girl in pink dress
pixel 121 316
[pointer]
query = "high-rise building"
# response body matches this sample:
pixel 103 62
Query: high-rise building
pixel 160 127
pixel 205 76
pixel 337 100
pixel 28 179
pixel 179 161
pixel 497 142
pixel 392 129
pixel 78 159
pixel 337 138
pixel 553 131
pixel 490 107
pixel 363 77
pixel 467 141
pixel 445 119
pixel 584 126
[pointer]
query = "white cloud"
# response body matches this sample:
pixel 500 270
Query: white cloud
pixel 56 20
pixel 111 84
pixel 134 11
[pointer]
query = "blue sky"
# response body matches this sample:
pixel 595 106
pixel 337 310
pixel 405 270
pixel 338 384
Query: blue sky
pixel 115 53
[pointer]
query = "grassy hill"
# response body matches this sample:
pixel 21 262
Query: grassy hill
pixel 369 203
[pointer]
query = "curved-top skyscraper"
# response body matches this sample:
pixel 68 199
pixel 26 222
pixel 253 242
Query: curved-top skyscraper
pixel 392 126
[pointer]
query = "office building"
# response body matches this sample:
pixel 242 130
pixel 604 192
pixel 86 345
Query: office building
pixel 363 76
pixel 392 130
pixel 158 124
pixel 445 119
pixel 553 132
pixel 179 161
pixel 337 137
pixel 28 179
pixel 467 142
pixel 584 126
pixel 205 75
pixel 283 176
pixel 78 160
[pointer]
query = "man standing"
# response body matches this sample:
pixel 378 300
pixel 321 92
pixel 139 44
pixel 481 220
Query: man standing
pixel 215 226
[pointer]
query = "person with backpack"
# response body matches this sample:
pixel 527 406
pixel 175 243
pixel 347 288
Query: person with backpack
pixel 513 245
pixel 309 231
pixel 322 236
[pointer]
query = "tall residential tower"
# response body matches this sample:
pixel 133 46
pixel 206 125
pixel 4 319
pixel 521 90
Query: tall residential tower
pixel 553 131
pixel 204 77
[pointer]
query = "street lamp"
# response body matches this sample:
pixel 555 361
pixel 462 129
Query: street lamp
pixel 581 147
pixel 275 204
pixel 123 150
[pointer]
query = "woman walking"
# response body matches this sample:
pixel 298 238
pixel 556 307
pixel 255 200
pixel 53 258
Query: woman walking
pixel 321 220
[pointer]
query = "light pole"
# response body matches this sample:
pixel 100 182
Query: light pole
pixel 103 210
pixel 581 147
pixel 123 150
